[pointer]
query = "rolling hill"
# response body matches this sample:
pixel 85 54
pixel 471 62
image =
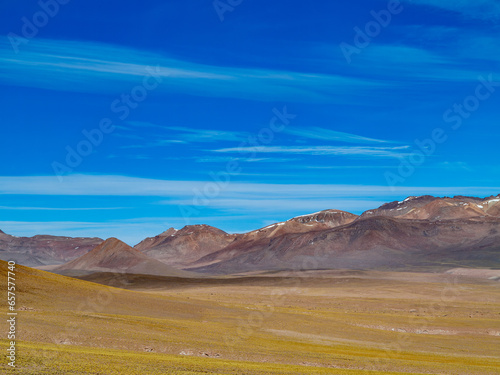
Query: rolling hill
pixel 116 256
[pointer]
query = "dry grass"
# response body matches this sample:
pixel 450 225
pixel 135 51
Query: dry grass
pixel 326 323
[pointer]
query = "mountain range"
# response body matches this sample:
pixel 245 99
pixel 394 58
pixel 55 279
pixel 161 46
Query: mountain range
pixel 418 232
pixel 42 250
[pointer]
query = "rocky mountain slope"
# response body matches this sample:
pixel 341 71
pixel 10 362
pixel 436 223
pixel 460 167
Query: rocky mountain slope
pixel 379 242
pixel 180 248
pixel 418 231
pixel 432 208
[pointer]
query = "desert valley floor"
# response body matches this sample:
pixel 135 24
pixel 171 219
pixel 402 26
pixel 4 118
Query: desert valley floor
pixel 309 322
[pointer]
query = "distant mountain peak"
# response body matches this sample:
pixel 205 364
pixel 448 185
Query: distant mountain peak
pixel 428 207
pixel 114 255
pixel 180 247
pixel 112 247
pixel 169 232
pixel 411 197
pixel 113 240
pixel 322 216
pixel 195 228
pixel 492 198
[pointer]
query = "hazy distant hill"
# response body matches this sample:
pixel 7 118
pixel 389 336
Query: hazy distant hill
pixel 41 250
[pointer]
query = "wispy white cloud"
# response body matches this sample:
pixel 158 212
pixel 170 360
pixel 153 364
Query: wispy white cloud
pixel 454 165
pixel 454 45
pixel 181 135
pixel 379 152
pixel 314 132
pixel 206 135
pixel 163 142
pixel 477 9
pixel 223 159
pixel 408 64
pixel 347 166
pixel 112 185
pixel 284 205
pixel 59 208
pixel 97 67
pixel 422 55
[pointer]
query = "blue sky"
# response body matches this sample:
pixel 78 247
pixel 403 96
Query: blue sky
pixel 125 119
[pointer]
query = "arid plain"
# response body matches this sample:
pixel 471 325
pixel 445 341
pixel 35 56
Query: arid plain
pixel 294 322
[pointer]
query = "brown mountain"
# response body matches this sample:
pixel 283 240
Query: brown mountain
pixel 183 247
pixel 178 248
pixel 419 231
pixel 41 250
pixel 433 208
pixel 261 238
pixel 378 242
pixel 305 223
pixel 114 255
